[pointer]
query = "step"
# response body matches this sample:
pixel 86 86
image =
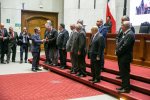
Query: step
pixel 135 85
pixel 136 72
pixel 103 85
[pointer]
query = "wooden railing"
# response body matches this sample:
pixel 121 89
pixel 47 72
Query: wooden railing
pixel 141 52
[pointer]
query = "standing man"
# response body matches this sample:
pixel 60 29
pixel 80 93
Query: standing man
pixel 62 39
pixel 81 51
pixel 52 47
pixel 71 46
pixel 35 49
pixel 120 35
pixel 3 42
pixel 12 44
pixel 24 44
pixel 102 30
pixel 124 52
pixel 96 49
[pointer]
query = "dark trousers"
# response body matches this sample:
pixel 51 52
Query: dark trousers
pixel 125 74
pixel 53 55
pixel 95 67
pixel 36 58
pixel 102 60
pixel 81 63
pixel 13 50
pixel 24 48
pixel 63 56
pixel 74 61
pixel 46 52
pixel 4 50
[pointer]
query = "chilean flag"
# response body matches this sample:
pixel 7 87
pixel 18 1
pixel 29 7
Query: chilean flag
pixel 110 11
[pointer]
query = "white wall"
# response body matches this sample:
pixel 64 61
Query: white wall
pixel 11 9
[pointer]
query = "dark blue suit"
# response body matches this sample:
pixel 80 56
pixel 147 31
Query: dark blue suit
pixel 35 49
pixel 103 30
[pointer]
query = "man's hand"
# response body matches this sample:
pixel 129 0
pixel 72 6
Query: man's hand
pixel 79 53
pixel 97 58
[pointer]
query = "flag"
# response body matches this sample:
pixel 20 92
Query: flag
pixel 110 9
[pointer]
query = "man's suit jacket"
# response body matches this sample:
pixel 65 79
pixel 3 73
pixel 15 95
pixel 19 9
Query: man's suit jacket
pixel 74 43
pixel 3 40
pixel 124 49
pixel 21 38
pixel 36 42
pixel 103 30
pixel 97 45
pixel 12 40
pixel 62 39
pixel 52 37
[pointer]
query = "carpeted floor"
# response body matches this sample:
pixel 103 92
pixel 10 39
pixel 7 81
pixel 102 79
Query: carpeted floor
pixel 42 86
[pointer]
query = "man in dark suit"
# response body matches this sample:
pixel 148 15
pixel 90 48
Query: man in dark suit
pixel 3 42
pixel 12 44
pixel 120 35
pixel 102 30
pixel 52 47
pixel 96 49
pixel 24 44
pixel 62 39
pixel 124 52
pixel 81 51
pixel 35 49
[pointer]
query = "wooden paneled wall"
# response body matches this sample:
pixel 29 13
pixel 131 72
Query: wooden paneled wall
pixel 141 52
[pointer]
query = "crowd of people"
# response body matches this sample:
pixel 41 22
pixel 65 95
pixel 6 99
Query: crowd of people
pixel 58 43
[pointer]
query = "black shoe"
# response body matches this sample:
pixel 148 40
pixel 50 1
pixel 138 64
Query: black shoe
pixel 124 91
pixel 73 72
pixel 25 61
pixel 118 77
pixel 21 61
pixel 63 67
pixel 34 70
pixel 82 75
pixel 38 69
pixel 102 70
pixel 13 60
pixel 96 81
pixel 78 74
pixel 3 62
pixel 120 88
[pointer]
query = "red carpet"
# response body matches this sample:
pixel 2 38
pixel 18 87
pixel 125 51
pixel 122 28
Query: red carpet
pixel 42 86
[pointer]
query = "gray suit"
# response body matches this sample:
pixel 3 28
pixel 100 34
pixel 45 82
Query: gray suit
pixel 12 44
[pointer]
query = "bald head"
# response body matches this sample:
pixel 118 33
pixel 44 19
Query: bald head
pixel 125 25
pixel 99 22
pixel 72 26
pixel 2 25
pixel 94 30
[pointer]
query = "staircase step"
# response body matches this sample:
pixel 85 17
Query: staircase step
pixel 103 85
pixel 109 67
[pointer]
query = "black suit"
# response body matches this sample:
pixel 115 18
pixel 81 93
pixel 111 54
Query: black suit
pixel 124 52
pixel 96 48
pixel 62 39
pixel 3 43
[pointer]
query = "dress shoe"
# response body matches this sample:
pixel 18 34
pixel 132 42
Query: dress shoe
pixel 78 74
pixel 124 91
pixel 54 64
pixel 38 69
pixel 102 70
pixel 96 81
pixel 63 67
pixel 34 70
pixel 13 60
pixel 82 75
pixel 25 61
pixel 73 72
pixel 118 77
pixel 120 88
pixel 21 61
pixel 3 62
pixel 91 79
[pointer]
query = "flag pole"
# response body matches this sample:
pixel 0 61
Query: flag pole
pixel 125 7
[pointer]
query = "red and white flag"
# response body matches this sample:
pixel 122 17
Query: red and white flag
pixel 110 11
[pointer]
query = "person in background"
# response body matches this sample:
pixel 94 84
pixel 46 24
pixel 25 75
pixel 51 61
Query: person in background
pixel 108 24
pixel 124 52
pixel 102 30
pixel 35 49
pixel 3 42
pixel 96 49
pixel 24 44
pixel 62 39
pixel 12 44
